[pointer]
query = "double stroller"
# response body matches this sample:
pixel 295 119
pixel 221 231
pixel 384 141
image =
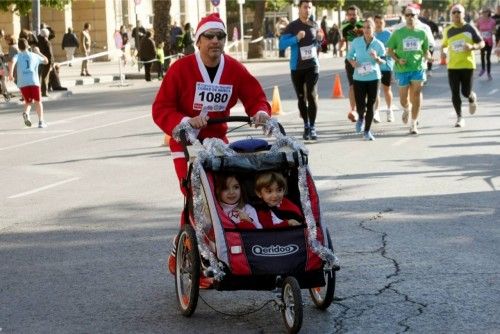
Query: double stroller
pixel 283 260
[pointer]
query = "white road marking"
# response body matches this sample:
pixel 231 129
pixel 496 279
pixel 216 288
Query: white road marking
pixel 493 91
pixel 72 133
pixel 35 132
pixel 76 117
pixel 401 141
pixel 26 193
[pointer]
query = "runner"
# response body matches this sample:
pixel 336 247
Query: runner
pixel 461 39
pixel 486 25
pixel 383 35
pixel 365 56
pixel 409 47
pixel 351 28
pixel 304 38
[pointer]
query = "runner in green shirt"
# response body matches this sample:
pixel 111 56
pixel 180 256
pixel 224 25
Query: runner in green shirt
pixel 409 46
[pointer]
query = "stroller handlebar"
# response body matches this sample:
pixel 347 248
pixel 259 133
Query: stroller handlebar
pixel 243 119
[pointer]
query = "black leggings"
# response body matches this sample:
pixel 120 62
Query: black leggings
pixel 457 78
pixel 486 52
pixel 365 93
pixel 309 78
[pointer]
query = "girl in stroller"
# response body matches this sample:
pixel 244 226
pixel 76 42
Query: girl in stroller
pixel 230 197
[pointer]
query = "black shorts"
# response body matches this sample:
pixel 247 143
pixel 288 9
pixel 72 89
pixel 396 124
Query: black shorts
pixel 386 78
pixel 350 72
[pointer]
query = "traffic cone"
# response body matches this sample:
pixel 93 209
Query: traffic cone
pixel 337 88
pixel 443 60
pixel 276 104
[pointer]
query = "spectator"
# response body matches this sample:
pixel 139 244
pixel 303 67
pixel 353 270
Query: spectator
pixel 334 37
pixel 280 27
pixel 46 49
pixel 160 55
pixel 69 44
pixel 54 81
pixel 175 36
pixel 324 27
pixel 86 43
pixel 187 40
pixel 147 53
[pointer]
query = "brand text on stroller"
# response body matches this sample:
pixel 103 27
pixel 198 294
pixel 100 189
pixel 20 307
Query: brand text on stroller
pixel 274 250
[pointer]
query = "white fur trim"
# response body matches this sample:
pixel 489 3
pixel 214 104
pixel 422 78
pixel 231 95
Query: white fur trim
pixel 207 26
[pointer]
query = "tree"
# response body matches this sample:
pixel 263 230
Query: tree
pixel 161 25
pixel 369 7
pixel 256 49
pixel 23 7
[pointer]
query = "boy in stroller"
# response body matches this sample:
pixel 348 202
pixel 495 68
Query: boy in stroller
pixel 275 210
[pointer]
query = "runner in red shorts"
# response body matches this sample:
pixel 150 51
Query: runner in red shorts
pixel 28 80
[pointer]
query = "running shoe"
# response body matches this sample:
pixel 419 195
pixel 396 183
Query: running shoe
pixel 359 125
pixel 390 115
pixel 490 77
pixel 312 133
pixel 307 133
pixel 26 119
pixel 42 124
pixel 460 122
pixel 369 136
pixel 472 103
pixel 414 129
pixel 406 115
pixel 376 116
pixel 482 72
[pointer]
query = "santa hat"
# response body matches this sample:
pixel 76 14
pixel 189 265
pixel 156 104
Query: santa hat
pixel 412 8
pixel 211 21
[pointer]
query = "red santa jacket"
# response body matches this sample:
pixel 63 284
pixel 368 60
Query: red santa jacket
pixel 278 217
pixel 175 99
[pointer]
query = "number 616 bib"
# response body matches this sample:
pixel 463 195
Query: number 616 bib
pixel 212 97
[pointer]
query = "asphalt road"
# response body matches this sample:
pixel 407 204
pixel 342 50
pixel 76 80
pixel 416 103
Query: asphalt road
pixel 90 204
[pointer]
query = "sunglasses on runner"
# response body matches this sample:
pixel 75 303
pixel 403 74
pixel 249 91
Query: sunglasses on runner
pixel 210 35
pixel 456 12
pixel 409 15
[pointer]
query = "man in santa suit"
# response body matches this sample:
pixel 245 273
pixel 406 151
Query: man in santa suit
pixel 203 85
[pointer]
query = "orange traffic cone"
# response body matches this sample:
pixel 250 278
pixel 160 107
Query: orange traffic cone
pixel 443 60
pixel 276 104
pixel 166 140
pixel 337 88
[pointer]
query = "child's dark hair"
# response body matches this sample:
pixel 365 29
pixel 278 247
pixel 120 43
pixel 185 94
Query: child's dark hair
pixel 266 179
pixel 220 184
pixel 22 44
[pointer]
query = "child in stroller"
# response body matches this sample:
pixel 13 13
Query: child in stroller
pixel 275 210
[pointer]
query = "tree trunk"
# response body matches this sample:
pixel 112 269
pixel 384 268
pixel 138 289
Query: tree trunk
pixel 256 49
pixel 161 25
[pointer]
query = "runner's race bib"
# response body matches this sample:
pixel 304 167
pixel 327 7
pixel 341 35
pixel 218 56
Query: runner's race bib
pixel 365 69
pixel 212 97
pixel 486 34
pixel 411 44
pixel 458 46
pixel 308 52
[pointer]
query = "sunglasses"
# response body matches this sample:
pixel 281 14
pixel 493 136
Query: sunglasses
pixel 409 15
pixel 210 35
pixel 456 12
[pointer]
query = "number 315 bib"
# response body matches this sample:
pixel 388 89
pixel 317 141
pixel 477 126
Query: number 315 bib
pixel 212 97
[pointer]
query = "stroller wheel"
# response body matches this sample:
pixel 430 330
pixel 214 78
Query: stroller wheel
pixel 292 305
pixel 323 296
pixel 187 270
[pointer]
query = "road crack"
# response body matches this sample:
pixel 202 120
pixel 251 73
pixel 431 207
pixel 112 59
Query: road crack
pixel 391 286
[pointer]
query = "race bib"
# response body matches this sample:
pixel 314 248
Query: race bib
pixel 486 34
pixel 365 69
pixel 212 97
pixel 411 44
pixel 458 46
pixel 308 52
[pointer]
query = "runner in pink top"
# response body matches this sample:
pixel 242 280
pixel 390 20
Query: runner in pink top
pixel 486 26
